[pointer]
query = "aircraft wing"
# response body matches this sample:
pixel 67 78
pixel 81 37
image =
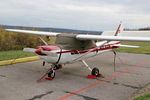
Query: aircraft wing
pixel 33 32
pixel 112 38
pixel 86 37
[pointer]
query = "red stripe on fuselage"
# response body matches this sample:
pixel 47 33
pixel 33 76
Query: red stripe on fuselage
pixel 81 52
pixel 104 47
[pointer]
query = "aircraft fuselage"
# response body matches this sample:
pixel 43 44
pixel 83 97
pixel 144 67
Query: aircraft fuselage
pixel 64 56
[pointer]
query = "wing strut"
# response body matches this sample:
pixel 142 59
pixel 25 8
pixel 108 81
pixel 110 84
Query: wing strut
pixel 114 60
pixel 43 41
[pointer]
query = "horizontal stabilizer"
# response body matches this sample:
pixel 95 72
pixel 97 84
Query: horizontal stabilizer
pixel 129 46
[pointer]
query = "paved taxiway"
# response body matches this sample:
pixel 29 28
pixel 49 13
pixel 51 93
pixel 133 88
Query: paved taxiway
pixel 18 81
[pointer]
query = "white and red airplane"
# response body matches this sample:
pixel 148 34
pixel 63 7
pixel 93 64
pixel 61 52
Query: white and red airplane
pixel 70 48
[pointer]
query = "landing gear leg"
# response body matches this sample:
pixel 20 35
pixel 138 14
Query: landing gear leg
pixel 86 65
pixel 94 72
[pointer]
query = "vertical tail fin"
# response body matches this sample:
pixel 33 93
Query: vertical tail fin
pixel 118 29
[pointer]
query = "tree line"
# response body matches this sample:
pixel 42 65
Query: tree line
pixel 17 41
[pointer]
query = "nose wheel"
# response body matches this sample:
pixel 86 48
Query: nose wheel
pixel 51 74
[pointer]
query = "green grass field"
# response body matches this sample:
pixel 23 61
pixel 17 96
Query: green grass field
pixel 14 54
pixel 146 97
pixel 144 49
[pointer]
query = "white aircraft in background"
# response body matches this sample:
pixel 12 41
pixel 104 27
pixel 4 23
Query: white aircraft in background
pixel 70 48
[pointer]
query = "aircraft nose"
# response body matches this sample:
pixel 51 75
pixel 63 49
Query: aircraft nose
pixel 39 51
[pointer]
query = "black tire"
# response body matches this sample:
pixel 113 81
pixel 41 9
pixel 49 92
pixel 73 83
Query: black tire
pixel 51 74
pixel 95 71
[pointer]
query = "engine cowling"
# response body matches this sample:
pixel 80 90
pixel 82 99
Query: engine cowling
pixel 45 50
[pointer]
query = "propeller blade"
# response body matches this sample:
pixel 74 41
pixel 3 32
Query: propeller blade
pixel 29 50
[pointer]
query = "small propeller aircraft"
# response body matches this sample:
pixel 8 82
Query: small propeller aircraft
pixel 71 48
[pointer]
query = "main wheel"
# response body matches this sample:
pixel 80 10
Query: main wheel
pixel 51 74
pixel 95 71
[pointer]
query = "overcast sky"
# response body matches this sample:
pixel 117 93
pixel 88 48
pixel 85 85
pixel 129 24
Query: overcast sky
pixel 76 14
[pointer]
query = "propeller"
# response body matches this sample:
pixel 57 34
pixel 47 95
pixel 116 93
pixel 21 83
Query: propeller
pixel 33 50
pixel 42 51
pixel 29 50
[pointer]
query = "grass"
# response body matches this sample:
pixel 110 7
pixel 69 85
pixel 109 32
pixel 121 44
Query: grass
pixel 143 49
pixel 14 54
pixel 146 97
